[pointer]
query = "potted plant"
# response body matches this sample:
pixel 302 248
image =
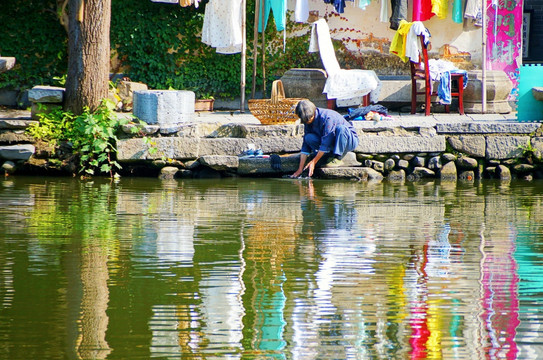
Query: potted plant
pixel 204 102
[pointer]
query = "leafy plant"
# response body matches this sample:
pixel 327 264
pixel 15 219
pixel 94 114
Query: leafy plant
pixel 91 135
pixel 529 152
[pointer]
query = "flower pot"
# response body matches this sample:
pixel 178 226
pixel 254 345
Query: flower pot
pixel 204 105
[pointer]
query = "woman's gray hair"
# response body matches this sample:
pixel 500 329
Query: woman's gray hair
pixel 305 110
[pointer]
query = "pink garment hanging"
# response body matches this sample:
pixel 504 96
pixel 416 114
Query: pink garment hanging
pixel 422 10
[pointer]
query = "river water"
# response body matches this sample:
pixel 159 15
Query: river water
pixel 270 269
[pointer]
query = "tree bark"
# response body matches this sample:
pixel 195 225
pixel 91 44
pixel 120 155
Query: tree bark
pixel 88 54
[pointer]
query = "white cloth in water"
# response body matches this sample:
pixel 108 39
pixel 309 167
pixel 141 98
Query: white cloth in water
pixel 222 26
pixel 341 83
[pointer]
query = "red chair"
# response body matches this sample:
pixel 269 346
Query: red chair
pixel 422 73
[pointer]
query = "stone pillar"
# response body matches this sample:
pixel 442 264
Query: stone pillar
pixel 306 83
pixel 164 107
pixel 498 89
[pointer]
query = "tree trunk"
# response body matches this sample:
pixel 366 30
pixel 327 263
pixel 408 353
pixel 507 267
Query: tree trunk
pixel 88 54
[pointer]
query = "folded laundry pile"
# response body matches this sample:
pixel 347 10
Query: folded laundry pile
pixel 372 112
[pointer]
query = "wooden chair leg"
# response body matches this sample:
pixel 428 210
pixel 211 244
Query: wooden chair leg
pixel 366 100
pixel 427 98
pixel 331 104
pixel 413 97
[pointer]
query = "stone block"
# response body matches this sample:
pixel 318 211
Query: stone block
pixel 166 147
pixel 505 147
pixel 272 130
pixel 358 173
pixel 164 107
pixel 375 144
pixel 126 92
pixel 498 88
pixel 46 94
pixel 471 145
pixel 491 127
pixel 222 146
pixel 220 162
pixel 16 124
pixel 403 123
pixel 257 166
pixel 17 152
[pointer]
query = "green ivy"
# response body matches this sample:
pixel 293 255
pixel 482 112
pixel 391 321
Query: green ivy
pixel 30 32
pixel 157 44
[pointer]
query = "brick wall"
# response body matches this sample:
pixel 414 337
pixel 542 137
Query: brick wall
pixel 536 29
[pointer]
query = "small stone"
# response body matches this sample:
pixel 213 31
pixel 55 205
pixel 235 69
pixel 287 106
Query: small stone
pixel 9 167
pixel 422 173
pixel 408 157
pixel 168 172
pixel 503 172
pixel 466 163
pixel 493 163
pixel 397 175
pixel 389 164
pixel 523 168
pixel 446 157
pixel 448 172
pixel 418 161
pixel 435 163
pixel 467 175
pixel 403 164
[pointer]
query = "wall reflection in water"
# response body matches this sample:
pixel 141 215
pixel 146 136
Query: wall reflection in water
pixel 270 268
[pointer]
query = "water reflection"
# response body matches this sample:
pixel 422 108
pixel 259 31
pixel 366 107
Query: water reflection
pixel 285 269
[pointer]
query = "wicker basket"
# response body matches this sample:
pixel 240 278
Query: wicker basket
pixel 275 111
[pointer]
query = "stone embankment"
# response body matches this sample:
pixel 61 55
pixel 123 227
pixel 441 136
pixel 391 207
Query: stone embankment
pixel 412 147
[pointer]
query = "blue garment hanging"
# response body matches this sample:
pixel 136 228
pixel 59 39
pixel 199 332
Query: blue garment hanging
pixel 279 9
pixel 339 5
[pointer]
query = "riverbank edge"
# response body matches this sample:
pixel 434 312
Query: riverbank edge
pixel 409 147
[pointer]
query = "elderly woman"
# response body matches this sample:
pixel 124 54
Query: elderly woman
pixel 326 133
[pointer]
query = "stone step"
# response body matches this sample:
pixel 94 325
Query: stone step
pixel 6 63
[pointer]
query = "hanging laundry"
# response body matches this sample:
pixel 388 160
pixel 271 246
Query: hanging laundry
pixel 279 9
pixel 383 15
pixel 440 8
pixel 422 10
pixel 457 12
pixel 301 12
pixel 413 47
pixel 363 4
pixel 397 46
pixel 474 12
pixel 339 5
pixel 399 12
pixel 222 25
